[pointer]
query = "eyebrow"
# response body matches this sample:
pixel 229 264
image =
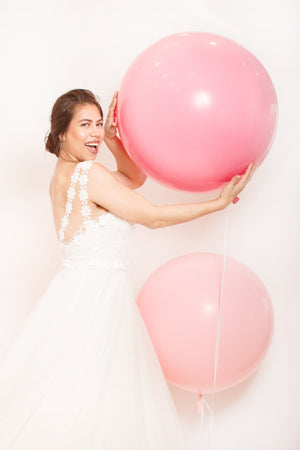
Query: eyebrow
pixel 89 120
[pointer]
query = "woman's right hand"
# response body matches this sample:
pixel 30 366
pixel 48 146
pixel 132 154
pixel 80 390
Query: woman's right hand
pixel 235 186
pixel 110 125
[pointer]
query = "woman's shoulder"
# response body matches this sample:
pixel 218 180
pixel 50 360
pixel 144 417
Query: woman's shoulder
pixel 91 165
pixel 60 178
pixel 63 173
pixel 96 169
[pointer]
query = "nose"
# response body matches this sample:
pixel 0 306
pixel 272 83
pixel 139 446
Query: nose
pixel 95 131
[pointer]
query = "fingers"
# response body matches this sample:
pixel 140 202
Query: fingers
pixel 252 172
pixel 113 102
pixel 238 182
pixel 248 175
pixel 112 113
pixel 114 99
pixel 115 123
pixel 245 178
pixel 234 180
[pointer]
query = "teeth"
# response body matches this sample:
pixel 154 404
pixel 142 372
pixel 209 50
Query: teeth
pixel 92 145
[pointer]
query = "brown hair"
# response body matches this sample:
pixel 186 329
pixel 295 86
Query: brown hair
pixel 62 114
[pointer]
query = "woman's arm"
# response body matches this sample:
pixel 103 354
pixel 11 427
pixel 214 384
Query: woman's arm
pixel 125 165
pixel 127 204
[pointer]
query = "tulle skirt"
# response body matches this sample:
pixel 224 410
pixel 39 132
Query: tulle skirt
pixel 82 373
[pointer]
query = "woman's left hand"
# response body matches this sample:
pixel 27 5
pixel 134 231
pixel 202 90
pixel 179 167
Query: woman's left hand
pixel 110 125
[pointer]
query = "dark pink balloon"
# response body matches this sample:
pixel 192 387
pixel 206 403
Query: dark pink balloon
pixel 195 109
pixel 179 304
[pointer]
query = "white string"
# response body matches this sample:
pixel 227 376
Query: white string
pixel 203 404
pixel 202 418
pixel 219 322
pixel 217 346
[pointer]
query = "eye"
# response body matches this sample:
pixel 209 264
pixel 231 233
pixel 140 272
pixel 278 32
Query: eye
pixel 101 124
pixel 84 124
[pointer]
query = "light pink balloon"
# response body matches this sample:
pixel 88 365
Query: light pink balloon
pixel 195 109
pixel 179 304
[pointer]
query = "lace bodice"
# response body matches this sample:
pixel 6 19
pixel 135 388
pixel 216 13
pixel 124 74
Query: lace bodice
pixel 100 242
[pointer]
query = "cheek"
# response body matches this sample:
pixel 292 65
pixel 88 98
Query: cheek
pixel 80 134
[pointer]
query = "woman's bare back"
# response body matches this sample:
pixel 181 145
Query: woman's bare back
pixel 58 188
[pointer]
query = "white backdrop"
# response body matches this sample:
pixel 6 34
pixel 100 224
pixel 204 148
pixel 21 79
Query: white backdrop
pixel 50 48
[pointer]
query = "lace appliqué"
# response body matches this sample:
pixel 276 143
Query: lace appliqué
pixel 83 195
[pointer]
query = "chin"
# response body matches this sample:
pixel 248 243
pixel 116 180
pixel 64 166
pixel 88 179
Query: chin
pixel 90 156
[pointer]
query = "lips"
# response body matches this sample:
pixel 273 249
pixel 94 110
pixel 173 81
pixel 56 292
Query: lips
pixel 92 148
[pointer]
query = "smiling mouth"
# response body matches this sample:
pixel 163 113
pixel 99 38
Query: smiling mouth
pixel 92 148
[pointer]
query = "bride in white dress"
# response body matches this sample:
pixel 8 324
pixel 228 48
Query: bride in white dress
pixel 82 374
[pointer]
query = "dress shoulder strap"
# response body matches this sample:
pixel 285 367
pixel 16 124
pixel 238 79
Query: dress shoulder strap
pixel 80 175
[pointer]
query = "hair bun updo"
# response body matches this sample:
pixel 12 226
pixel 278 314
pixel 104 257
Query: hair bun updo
pixel 51 145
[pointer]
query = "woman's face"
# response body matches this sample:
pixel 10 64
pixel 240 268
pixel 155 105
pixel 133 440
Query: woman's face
pixel 82 139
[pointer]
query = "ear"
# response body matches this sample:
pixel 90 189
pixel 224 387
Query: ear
pixel 61 137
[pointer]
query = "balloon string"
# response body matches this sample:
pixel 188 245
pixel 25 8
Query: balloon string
pixel 201 402
pixel 202 414
pixel 217 347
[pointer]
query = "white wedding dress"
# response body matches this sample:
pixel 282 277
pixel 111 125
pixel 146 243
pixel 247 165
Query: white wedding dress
pixel 82 373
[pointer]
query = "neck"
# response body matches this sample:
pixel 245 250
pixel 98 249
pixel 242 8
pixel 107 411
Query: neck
pixel 64 156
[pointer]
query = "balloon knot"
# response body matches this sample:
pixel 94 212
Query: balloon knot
pixel 199 404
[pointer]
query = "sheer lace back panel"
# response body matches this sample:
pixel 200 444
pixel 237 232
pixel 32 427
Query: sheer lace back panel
pixel 98 243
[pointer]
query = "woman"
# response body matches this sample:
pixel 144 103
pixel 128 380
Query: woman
pixel 82 373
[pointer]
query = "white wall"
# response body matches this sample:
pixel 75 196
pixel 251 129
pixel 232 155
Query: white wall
pixel 49 48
